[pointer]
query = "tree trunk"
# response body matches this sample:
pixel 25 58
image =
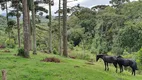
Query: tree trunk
pixel 25 29
pixel 6 13
pixel 60 29
pixel 18 26
pixel 33 27
pixel 50 29
pixel 7 19
pixel 65 53
pixel 4 75
pixel 28 11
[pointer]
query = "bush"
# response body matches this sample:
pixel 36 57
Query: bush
pixel 10 43
pixel 21 52
pixel 55 51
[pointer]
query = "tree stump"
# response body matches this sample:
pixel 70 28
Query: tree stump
pixel 4 75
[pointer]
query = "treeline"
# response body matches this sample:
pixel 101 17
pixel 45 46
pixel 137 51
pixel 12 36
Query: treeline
pixel 105 28
pixel 100 29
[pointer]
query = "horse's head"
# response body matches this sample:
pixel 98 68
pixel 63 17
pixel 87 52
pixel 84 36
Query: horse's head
pixel 99 56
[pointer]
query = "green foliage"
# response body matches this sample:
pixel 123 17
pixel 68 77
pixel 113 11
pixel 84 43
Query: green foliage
pixel 10 43
pixel 55 51
pixel 139 59
pixel 139 56
pixel 11 23
pixel 75 35
pixel 2 22
pixel 130 36
pixel 21 52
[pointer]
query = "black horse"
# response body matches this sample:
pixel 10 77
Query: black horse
pixel 126 62
pixel 107 59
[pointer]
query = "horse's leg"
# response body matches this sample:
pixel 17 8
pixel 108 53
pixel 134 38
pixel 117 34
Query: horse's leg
pixel 105 65
pixel 120 68
pixel 133 71
pixel 115 64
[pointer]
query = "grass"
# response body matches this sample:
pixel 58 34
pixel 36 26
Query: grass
pixel 19 68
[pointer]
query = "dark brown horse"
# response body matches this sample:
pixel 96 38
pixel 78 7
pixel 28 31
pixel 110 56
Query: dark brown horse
pixel 126 62
pixel 107 59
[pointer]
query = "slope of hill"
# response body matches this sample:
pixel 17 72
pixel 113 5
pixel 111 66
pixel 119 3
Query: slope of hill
pixel 69 69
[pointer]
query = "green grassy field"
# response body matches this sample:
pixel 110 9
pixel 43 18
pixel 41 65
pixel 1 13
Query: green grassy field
pixel 33 69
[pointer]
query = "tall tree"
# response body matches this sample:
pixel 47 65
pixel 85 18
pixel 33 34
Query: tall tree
pixel 65 53
pixel 18 24
pixel 16 5
pixel 6 12
pixel 33 27
pixel 29 23
pixel 60 29
pixel 50 28
pixel 25 29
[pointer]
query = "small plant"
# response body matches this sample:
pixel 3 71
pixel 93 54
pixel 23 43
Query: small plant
pixel 55 51
pixel 21 52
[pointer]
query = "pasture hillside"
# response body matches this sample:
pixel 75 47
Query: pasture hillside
pixel 19 68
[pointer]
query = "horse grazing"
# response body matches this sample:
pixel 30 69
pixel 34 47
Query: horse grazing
pixel 126 62
pixel 107 59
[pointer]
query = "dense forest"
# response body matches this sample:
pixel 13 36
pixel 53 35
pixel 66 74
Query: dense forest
pixel 30 30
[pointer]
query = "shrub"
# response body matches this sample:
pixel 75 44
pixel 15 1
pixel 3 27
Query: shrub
pixel 55 51
pixel 21 52
pixel 10 43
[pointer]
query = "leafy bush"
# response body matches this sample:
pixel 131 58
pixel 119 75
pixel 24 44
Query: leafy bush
pixel 55 51
pixel 10 43
pixel 21 52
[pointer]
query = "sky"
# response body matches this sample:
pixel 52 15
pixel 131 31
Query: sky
pixel 85 3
